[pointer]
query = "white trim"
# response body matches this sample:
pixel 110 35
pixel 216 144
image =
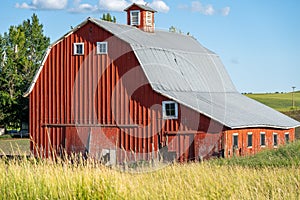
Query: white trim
pixel 75 46
pixel 149 18
pixel 98 47
pixel 37 74
pixel 164 115
pixel 138 20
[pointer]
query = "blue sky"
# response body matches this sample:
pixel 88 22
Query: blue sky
pixel 258 40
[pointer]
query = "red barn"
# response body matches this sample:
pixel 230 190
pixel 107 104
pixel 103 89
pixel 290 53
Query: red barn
pixel 136 93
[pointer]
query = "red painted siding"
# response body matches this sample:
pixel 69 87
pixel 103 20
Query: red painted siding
pixel 243 148
pixel 75 93
pixel 87 103
pixel 143 25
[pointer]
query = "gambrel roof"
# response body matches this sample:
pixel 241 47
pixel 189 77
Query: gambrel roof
pixel 179 67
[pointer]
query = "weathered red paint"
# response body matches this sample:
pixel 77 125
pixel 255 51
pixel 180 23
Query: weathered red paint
pixel 84 104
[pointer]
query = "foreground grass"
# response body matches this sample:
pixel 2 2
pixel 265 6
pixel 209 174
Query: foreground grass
pixel 279 101
pixel 267 175
pixel 46 180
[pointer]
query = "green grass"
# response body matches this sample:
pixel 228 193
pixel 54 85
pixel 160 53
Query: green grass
pixel 262 176
pixel 270 174
pixel 284 156
pixel 10 146
pixel 279 101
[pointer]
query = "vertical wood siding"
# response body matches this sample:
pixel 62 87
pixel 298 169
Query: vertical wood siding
pixel 75 94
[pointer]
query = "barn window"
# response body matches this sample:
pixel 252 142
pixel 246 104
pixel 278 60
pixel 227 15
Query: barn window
pixel 275 139
pixel 235 139
pixel 170 110
pixel 249 140
pixel 286 137
pixel 135 17
pixel 78 48
pixel 148 18
pixel 101 47
pixel 262 139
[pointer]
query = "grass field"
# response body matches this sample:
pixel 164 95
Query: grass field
pixel 32 179
pixel 10 146
pixel 271 174
pixel 279 101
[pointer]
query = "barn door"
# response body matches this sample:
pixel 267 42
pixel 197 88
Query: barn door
pixel 183 145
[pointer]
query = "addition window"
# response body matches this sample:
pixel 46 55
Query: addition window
pixel 148 18
pixel 286 137
pixel 135 17
pixel 275 139
pixel 249 140
pixel 262 139
pixel 101 47
pixel 235 142
pixel 78 48
pixel 170 110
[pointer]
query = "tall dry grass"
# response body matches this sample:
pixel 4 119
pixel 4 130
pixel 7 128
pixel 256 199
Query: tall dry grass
pixel 33 179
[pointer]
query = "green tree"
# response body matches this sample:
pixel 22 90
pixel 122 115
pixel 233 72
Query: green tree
pixel 108 17
pixel 21 53
pixel 173 29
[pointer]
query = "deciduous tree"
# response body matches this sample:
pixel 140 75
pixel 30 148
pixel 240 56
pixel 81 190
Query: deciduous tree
pixel 21 53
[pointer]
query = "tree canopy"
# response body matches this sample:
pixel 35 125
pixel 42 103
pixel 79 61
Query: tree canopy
pixel 108 17
pixel 21 52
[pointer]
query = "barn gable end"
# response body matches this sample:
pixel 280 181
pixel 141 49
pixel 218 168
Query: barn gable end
pixel 103 89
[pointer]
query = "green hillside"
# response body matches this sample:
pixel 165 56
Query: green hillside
pixel 279 101
pixel 284 156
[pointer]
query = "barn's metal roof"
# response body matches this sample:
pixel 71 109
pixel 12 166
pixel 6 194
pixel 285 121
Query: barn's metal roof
pixel 180 68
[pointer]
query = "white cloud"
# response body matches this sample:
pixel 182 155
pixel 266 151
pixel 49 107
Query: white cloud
pixel 138 2
pixel 198 7
pixel 159 6
pixel 24 6
pixel 82 8
pixel 225 11
pixel 79 7
pixel 44 4
pixel 113 5
pixel 120 5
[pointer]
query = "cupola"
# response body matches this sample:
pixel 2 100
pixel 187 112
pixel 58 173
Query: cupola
pixel 141 16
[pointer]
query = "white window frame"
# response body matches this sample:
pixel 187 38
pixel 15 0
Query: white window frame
pixel 98 44
pixel 260 141
pixel 149 18
pixel 133 23
pixel 285 134
pixel 249 133
pixel 275 145
pixel 75 48
pixel 233 135
pixel 164 103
